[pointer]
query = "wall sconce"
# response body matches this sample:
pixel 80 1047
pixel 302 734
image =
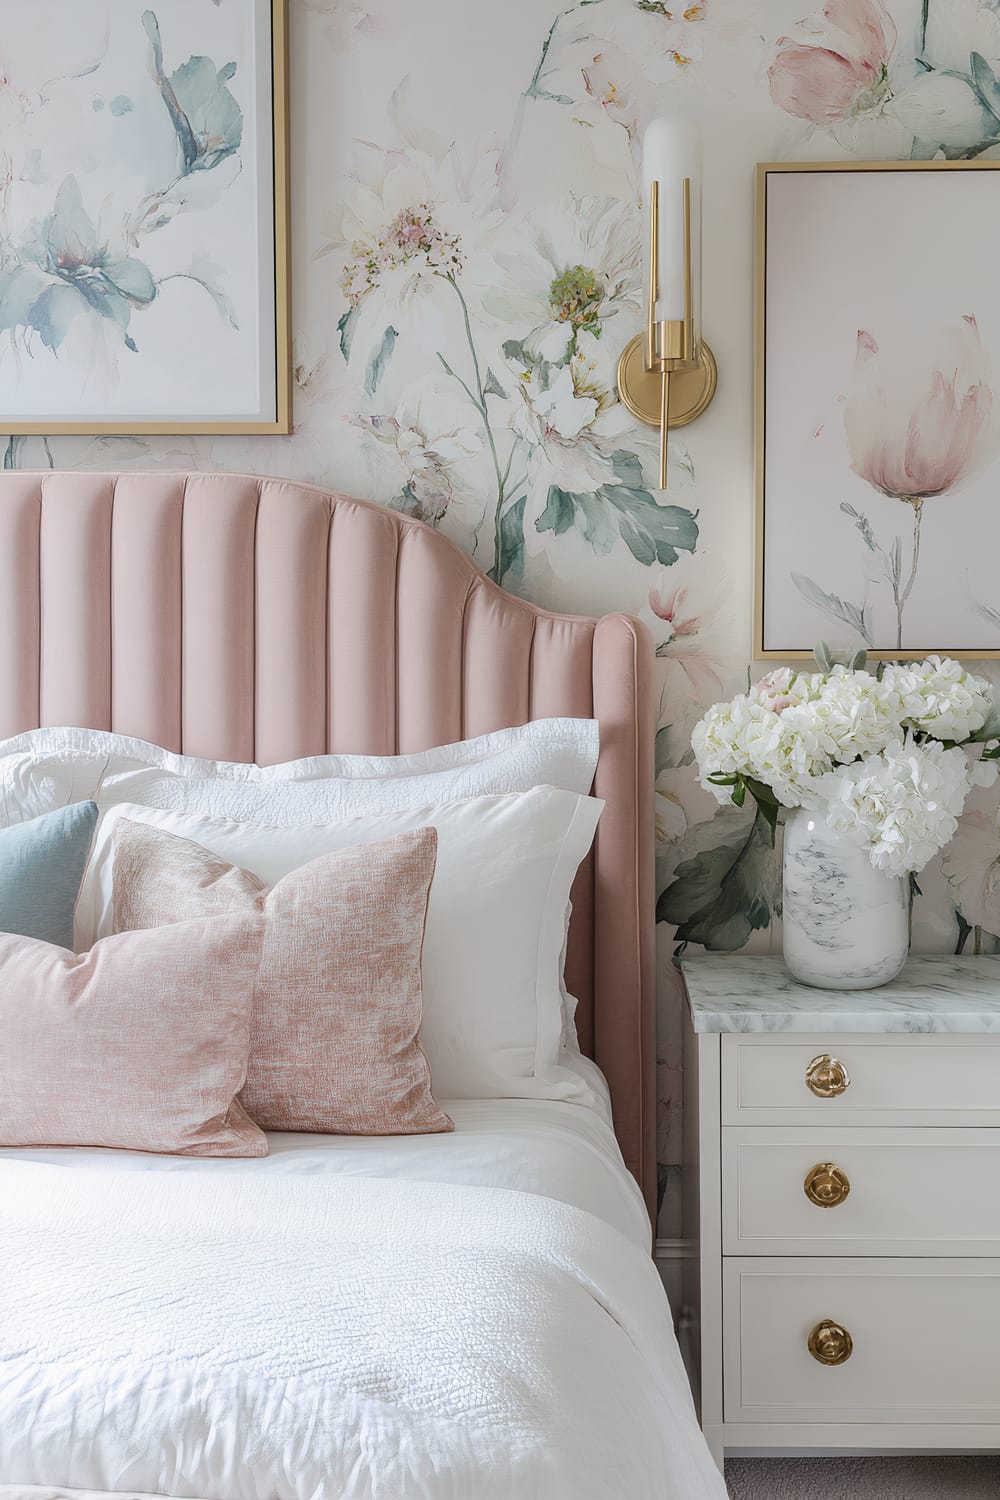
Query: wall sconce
pixel 667 376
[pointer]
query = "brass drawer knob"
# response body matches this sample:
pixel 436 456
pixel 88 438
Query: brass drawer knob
pixel 830 1343
pixel 826 1185
pixel 826 1076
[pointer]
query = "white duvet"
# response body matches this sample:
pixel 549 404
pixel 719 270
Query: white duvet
pixel 305 1331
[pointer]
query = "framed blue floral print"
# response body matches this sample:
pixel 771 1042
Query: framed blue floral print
pixel 143 217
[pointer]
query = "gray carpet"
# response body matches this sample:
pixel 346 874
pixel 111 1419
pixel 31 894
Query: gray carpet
pixel 863 1478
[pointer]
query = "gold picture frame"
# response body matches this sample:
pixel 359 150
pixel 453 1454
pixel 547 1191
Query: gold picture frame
pixel 278 418
pixel 765 644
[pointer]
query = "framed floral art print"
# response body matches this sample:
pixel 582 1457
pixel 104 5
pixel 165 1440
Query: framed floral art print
pixel 143 217
pixel 878 407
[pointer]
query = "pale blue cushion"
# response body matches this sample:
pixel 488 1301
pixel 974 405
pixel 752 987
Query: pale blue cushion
pixel 41 867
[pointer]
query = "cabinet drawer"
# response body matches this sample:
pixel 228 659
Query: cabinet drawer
pixel 908 1192
pixel 924 1338
pixel 892 1080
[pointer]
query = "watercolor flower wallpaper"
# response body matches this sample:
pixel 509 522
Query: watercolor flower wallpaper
pixel 467 269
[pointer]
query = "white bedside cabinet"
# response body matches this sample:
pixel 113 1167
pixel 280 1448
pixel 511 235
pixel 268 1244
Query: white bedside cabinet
pixel 842 1189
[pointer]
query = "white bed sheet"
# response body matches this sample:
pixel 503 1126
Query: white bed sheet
pixel 548 1148
pixel 447 1316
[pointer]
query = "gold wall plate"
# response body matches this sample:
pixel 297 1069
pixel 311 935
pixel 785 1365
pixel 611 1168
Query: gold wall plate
pixel 691 388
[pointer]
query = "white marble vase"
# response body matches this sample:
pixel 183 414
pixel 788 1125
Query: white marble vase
pixel 846 926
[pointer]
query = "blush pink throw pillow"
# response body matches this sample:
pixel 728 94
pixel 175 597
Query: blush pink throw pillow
pixel 334 1036
pixel 141 1043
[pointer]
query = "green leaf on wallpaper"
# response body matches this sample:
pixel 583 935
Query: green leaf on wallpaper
pixel 964 929
pixel 588 514
pixel 662 757
pixel 380 357
pixel 673 747
pixel 652 532
pixel 512 542
pixel 514 349
pixel 986 84
pixel 724 892
pixel 345 327
pixel 492 386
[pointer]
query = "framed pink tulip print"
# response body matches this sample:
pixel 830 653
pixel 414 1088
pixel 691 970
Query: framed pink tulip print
pixel 878 408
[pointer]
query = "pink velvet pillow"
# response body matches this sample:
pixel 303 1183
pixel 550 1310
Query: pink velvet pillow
pixel 141 1043
pixel 334 1036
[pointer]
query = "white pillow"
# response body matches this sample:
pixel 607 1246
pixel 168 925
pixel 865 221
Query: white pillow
pixel 49 768
pixel 493 1007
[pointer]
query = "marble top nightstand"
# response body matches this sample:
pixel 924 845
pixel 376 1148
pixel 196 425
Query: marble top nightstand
pixel 842 1150
pixel 932 994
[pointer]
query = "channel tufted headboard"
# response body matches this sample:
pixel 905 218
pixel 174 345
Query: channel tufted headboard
pixel 256 619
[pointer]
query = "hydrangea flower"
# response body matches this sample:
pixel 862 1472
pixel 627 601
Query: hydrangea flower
pixel 940 697
pixel 744 739
pixel 880 754
pixel 853 713
pixel 904 804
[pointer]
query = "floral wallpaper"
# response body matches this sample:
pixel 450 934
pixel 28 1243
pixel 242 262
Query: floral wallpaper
pixel 467 269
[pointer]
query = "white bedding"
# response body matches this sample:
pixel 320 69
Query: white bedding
pixel 561 1151
pixel 463 1317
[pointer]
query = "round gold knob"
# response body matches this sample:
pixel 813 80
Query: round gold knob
pixel 830 1343
pixel 826 1076
pixel 826 1185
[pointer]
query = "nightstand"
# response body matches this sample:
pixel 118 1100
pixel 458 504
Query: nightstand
pixel 842 1196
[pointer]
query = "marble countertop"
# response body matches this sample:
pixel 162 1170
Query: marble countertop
pixel 932 994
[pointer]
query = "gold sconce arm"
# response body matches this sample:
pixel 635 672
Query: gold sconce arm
pixel 652 355
pixel 659 378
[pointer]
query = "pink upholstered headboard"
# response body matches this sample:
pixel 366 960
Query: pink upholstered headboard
pixel 250 619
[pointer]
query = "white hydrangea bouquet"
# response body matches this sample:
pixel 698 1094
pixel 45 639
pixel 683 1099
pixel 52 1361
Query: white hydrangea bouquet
pixel 878 753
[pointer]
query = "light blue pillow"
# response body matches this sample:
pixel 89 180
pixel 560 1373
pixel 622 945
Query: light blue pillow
pixel 41 867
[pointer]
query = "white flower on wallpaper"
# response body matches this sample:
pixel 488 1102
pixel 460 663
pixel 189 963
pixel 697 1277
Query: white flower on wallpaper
pixel 971 862
pixel 407 217
pixel 588 58
pixel 575 267
pixel 568 416
pixel 681 628
pixel 418 450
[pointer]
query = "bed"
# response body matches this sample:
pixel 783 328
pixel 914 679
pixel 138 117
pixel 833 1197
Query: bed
pixel 473 1314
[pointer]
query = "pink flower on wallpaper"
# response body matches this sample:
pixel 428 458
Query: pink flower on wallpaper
pixel 918 429
pixel 828 80
pixel 914 433
pixel 680 646
pixel 668 607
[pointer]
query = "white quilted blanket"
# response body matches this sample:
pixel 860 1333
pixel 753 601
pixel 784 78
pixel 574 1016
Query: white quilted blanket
pixel 280 1338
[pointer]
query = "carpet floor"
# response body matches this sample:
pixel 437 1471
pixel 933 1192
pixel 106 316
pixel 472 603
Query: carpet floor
pixel 864 1478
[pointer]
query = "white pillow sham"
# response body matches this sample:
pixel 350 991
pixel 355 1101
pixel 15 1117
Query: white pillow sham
pixel 492 963
pixel 48 768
